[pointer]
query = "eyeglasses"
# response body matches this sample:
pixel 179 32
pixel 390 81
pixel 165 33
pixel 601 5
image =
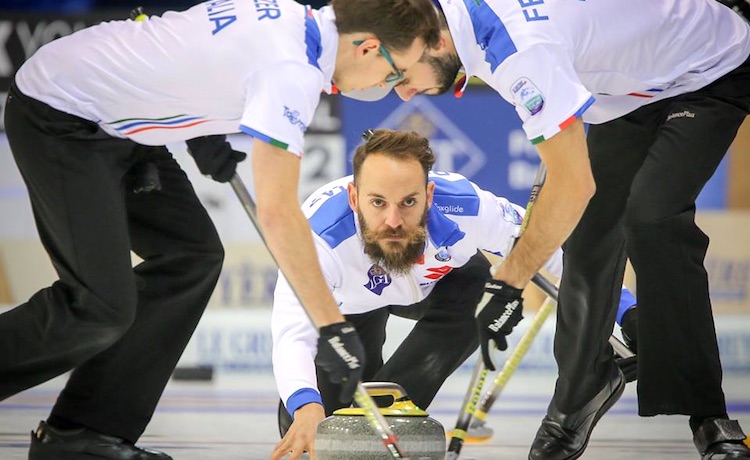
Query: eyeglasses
pixel 397 74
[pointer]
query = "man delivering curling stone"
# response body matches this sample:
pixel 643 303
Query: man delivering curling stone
pixel 392 239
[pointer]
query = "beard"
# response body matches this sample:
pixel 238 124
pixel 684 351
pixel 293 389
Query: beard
pixel 396 258
pixel 446 68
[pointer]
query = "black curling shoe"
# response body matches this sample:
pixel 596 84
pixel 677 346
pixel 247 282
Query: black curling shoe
pixel 565 436
pixel 720 439
pixel 48 443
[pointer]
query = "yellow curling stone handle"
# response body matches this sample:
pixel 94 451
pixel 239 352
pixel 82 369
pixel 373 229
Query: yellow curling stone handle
pixel 402 406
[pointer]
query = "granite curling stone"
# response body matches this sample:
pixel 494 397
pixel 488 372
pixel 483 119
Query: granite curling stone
pixel 347 435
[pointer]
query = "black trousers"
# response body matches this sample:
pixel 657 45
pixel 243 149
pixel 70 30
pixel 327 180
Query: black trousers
pixel 649 167
pixel 121 329
pixel 443 337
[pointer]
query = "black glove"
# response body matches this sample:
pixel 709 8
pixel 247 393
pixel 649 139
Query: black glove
pixel 143 176
pixel 215 157
pixel 498 312
pixel 629 367
pixel 342 356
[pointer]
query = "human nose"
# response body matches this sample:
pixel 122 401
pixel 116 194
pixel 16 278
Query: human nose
pixel 405 93
pixel 393 217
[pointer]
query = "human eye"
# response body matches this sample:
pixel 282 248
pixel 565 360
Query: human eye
pixel 409 202
pixel 377 202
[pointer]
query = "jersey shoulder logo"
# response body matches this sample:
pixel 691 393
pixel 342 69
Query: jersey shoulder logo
pixel 510 214
pixel 527 95
pixel 443 255
pixel 294 118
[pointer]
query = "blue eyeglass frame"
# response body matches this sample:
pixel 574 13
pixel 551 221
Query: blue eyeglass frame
pixel 397 74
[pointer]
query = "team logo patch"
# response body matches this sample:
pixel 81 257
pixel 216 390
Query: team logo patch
pixel 510 214
pixel 379 279
pixel 527 95
pixel 443 255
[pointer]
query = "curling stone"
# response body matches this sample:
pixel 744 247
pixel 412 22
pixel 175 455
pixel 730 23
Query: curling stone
pixel 347 435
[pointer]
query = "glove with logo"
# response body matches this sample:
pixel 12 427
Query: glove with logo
pixel 215 157
pixel 342 356
pixel 498 312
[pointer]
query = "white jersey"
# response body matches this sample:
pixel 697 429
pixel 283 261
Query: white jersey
pixel 558 60
pixel 220 67
pixel 462 219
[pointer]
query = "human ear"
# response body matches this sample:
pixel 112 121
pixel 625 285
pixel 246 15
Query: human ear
pixel 351 191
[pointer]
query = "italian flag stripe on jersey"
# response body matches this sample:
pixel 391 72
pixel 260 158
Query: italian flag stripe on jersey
pixel 264 138
pixel 128 126
pixel 568 122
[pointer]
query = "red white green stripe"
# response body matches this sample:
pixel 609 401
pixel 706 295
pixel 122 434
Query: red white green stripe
pixel 130 126
pixel 569 121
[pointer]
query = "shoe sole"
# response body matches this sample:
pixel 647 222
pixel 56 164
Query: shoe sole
pixel 64 456
pixel 37 453
pixel 599 414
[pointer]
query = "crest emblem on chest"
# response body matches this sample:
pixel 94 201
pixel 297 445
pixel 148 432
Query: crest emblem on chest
pixel 377 279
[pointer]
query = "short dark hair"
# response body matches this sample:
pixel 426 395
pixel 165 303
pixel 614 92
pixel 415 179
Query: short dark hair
pixel 396 23
pixel 402 145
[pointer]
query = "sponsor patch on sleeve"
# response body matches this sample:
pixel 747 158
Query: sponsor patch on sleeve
pixel 510 214
pixel 527 95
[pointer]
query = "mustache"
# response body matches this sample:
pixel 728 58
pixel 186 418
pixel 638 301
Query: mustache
pixel 415 235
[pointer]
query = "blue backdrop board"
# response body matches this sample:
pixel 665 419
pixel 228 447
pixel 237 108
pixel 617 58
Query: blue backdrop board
pixel 478 135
